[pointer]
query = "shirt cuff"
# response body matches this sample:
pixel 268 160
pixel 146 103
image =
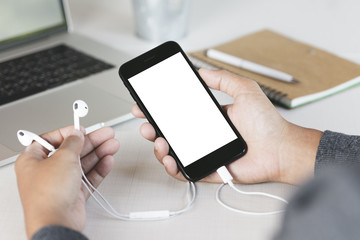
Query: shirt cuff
pixel 337 149
pixel 58 233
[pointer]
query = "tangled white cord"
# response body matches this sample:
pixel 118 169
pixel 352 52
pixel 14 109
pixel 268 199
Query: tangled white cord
pixel 139 216
pixel 81 109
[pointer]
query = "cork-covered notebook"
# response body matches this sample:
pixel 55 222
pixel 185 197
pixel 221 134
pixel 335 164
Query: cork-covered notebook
pixel 320 73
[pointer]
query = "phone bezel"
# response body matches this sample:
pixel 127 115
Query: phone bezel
pixel 212 161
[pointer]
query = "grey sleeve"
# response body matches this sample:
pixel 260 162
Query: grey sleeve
pixel 57 233
pixel 327 207
pixel 337 149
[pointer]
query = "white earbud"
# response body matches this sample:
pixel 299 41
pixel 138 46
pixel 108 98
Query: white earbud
pixel 26 138
pixel 80 109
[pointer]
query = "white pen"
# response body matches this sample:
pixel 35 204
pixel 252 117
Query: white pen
pixel 250 66
pixel 109 123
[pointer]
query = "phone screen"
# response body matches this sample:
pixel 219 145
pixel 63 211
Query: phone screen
pixel 181 107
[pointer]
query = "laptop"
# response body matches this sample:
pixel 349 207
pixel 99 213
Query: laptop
pixel 44 68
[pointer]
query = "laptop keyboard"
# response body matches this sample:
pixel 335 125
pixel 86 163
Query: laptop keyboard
pixel 49 68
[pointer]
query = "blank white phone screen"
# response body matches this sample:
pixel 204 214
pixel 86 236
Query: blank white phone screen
pixel 183 110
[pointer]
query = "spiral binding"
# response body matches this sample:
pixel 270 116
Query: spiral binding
pixel 274 95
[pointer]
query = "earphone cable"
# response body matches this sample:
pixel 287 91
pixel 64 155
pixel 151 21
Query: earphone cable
pixel 139 216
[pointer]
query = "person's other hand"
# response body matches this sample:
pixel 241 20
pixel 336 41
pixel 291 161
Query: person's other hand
pixel 277 150
pixel 50 188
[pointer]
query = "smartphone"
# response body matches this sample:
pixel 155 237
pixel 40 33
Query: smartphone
pixel 182 109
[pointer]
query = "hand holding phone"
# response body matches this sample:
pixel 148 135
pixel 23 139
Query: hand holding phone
pixel 182 109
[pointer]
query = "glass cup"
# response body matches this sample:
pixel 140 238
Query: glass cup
pixel 161 20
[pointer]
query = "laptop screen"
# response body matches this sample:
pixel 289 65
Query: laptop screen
pixel 24 20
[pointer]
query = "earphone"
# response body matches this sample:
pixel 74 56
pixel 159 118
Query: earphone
pixel 26 138
pixel 80 109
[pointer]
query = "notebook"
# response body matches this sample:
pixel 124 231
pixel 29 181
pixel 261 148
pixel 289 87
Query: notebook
pixel 320 73
pixel 44 68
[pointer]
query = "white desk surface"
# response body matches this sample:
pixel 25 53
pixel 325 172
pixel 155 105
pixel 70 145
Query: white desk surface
pixel 138 182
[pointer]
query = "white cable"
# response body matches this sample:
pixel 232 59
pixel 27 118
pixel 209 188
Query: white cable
pixel 132 216
pixel 139 216
pixel 227 179
pixel 81 109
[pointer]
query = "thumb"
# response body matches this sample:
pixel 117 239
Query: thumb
pixel 72 145
pixel 225 81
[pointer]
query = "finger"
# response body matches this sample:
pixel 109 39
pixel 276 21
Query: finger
pixel 148 131
pixel 57 136
pixel 161 153
pixel 30 156
pixel 98 173
pixel 212 178
pixel 110 147
pixel 226 107
pixel 161 148
pixel 135 110
pixel 225 81
pixel 92 140
pixel 172 168
pixel 96 138
pixel 71 147
pixel 35 152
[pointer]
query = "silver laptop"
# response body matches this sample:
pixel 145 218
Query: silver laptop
pixel 39 30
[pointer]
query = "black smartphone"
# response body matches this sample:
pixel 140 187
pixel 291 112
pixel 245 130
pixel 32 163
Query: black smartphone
pixel 182 109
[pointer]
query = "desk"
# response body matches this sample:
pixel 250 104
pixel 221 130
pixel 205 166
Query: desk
pixel 138 182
